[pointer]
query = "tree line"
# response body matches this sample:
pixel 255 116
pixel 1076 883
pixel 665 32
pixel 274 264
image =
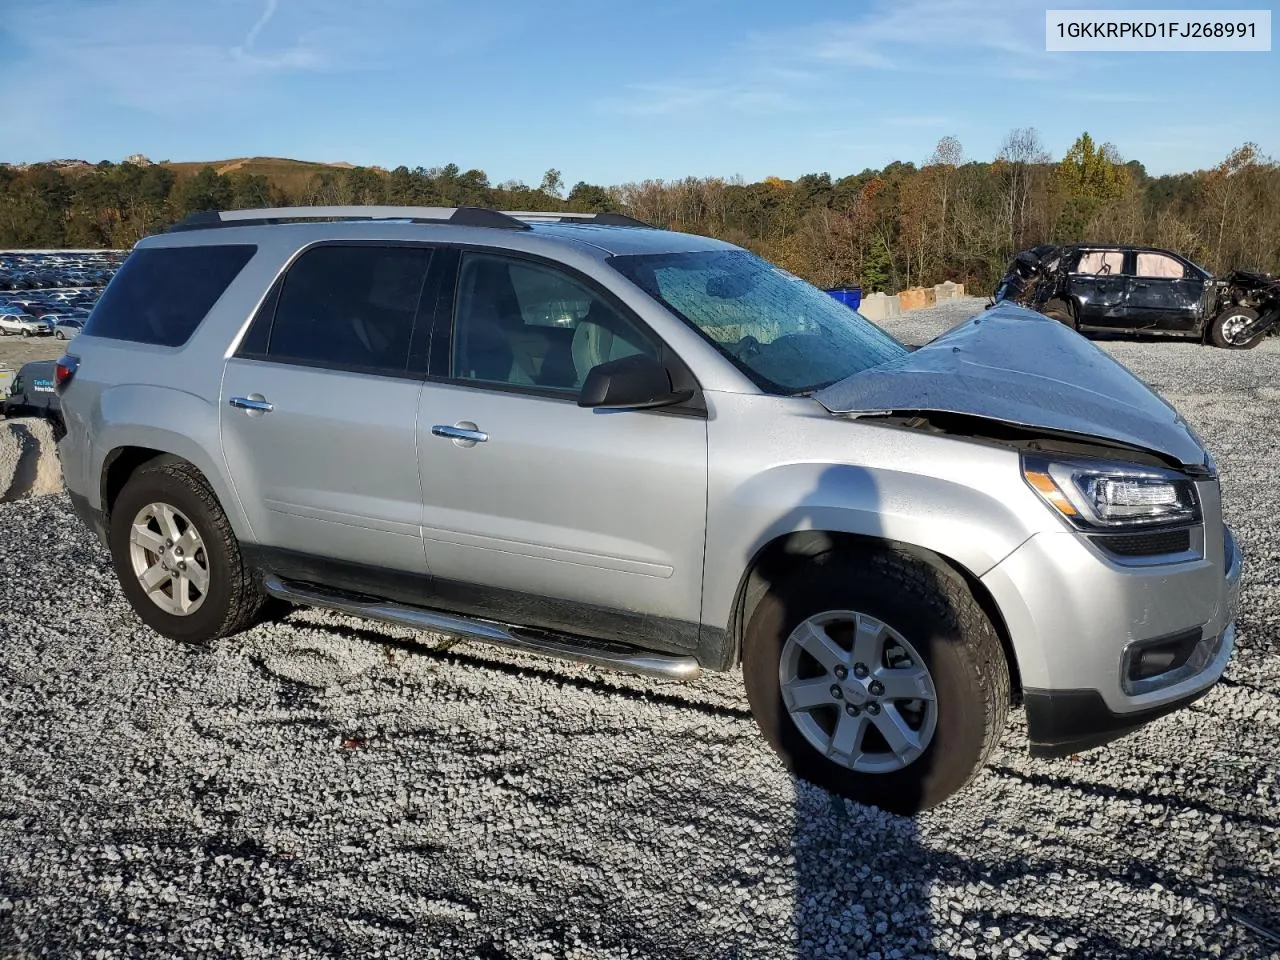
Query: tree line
pixel 950 218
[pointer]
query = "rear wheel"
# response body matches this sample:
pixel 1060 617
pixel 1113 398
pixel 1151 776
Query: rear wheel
pixel 877 678
pixel 1061 311
pixel 1226 330
pixel 177 558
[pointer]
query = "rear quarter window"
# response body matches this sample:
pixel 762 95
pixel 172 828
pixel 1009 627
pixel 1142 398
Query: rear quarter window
pixel 161 294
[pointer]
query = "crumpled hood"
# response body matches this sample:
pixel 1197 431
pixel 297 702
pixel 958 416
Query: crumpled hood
pixel 1018 366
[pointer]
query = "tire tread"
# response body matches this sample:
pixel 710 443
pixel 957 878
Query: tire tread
pixel 245 597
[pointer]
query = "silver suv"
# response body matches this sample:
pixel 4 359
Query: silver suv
pixel 651 451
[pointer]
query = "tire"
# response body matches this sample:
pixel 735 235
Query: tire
pixel 57 335
pixel 233 597
pixel 26 334
pixel 1061 311
pixel 1219 328
pixel 954 639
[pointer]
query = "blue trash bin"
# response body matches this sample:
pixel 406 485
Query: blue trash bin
pixel 851 297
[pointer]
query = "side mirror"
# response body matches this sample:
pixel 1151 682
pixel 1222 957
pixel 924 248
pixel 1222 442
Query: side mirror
pixel 632 383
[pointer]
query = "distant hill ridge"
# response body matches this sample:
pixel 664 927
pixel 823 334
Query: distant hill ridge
pixel 263 166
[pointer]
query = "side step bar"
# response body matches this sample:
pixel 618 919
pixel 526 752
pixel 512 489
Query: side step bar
pixel 658 665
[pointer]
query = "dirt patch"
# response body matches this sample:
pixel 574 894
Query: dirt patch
pixel 29 465
pixel 15 351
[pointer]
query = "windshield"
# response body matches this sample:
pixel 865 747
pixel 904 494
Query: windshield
pixel 785 334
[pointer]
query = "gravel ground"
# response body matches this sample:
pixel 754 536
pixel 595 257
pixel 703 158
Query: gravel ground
pixel 330 787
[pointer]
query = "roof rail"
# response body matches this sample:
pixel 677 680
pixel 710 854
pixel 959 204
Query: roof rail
pixel 458 216
pixel 601 219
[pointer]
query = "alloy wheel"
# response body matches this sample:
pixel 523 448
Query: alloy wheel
pixel 858 691
pixel 1232 328
pixel 169 559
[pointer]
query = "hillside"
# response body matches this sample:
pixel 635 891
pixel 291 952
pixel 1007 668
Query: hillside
pixel 952 218
pixel 281 172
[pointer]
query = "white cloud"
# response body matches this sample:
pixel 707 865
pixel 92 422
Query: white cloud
pixel 256 29
pixel 668 98
pixel 789 68
pixel 178 60
pixel 919 121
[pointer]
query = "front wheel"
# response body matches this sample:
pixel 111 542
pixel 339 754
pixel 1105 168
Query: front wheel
pixel 1227 329
pixel 176 557
pixel 878 678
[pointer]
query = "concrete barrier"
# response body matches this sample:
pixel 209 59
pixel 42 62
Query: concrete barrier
pixel 29 465
pixel 913 298
pixel 878 307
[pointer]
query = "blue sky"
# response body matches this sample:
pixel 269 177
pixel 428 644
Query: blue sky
pixel 606 92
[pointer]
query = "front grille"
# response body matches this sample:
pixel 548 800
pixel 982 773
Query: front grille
pixel 1148 544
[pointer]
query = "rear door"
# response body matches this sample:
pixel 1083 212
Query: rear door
pixel 320 403
pixel 1098 284
pixel 541 512
pixel 1164 292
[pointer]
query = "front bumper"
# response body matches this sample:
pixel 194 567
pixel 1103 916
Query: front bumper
pixel 1063 722
pixel 1077 620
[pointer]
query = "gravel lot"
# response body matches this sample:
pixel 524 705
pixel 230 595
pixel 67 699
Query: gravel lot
pixel 330 787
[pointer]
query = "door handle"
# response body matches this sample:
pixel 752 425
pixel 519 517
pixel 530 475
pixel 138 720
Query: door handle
pixel 252 403
pixel 464 434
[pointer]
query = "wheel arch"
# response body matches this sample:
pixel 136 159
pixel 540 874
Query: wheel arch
pixel 125 459
pixel 805 546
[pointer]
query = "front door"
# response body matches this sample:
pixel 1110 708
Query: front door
pixel 541 512
pixel 319 410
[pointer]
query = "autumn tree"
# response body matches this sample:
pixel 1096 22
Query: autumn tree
pixel 941 166
pixel 1088 177
pixel 1223 189
pixel 1020 154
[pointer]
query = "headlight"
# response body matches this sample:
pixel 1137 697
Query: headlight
pixel 1096 494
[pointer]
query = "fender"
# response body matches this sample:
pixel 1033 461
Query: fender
pixel 955 521
pixel 783 468
pixel 170 421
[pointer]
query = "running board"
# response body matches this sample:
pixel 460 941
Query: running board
pixel 657 665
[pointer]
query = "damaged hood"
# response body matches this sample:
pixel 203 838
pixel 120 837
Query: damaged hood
pixel 1016 366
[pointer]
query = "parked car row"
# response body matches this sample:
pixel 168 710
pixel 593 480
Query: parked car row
pixel 59 306
pixel 50 270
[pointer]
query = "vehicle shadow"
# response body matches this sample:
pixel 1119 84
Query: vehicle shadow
pixel 861 876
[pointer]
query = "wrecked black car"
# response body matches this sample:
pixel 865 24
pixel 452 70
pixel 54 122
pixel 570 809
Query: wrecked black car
pixel 1104 288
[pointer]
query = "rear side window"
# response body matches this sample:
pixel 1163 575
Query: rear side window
pixel 1159 265
pixel 350 308
pixel 161 294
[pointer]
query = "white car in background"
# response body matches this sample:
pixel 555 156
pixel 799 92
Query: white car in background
pixel 24 324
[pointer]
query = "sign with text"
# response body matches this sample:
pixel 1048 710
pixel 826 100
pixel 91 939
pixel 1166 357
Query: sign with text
pixel 1157 30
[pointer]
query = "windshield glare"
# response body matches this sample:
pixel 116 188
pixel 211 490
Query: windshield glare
pixel 786 335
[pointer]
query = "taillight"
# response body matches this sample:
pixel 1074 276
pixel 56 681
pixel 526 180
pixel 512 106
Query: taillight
pixel 64 370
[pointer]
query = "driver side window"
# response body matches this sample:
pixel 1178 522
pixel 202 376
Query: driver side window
pixel 527 325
